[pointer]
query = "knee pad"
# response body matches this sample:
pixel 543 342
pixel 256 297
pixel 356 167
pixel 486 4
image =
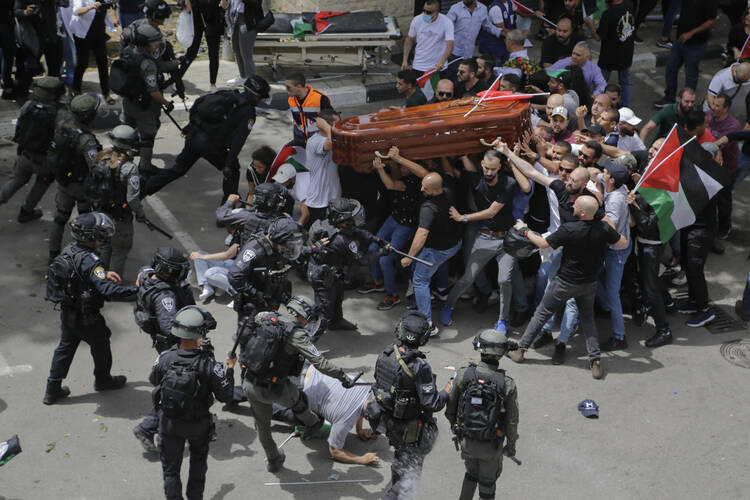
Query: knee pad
pixel 301 404
pixel 470 478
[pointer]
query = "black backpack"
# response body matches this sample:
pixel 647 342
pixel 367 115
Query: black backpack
pixel 63 280
pixel 260 352
pixel 144 305
pixel 125 78
pixel 36 128
pixel 62 156
pixel 104 188
pixel 210 112
pixel 481 408
pixel 180 389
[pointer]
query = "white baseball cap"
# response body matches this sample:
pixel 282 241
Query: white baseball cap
pixel 284 173
pixel 628 116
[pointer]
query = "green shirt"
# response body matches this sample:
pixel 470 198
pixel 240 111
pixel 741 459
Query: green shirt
pixel 667 117
pixel 416 99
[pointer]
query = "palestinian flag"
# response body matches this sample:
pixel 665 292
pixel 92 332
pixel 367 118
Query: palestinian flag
pixel 292 154
pixel 321 23
pixel 745 52
pixel 680 181
pixel 428 83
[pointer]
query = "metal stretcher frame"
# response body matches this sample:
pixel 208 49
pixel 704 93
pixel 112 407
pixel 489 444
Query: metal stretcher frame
pixel 334 49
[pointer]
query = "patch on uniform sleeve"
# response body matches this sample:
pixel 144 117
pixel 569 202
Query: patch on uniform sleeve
pixel 168 303
pixel 248 255
pixel 100 273
pixel 353 247
pixel 428 388
pixel 135 181
pixel 237 210
pixel 250 123
pixel 151 81
pixel 92 154
pixel 313 349
pixel 219 370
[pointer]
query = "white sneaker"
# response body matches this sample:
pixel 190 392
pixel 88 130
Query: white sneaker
pixel 494 297
pixel 207 292
pixel 434 330
pixel 410 290
pixel 236 81
pixel 231 305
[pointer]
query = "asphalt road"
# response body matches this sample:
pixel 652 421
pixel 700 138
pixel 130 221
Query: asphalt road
pixel 671 423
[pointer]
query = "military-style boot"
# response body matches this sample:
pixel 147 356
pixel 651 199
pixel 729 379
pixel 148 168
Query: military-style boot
pixel 275 464
pixel 468 488
pixel 111 383
pixel 55 391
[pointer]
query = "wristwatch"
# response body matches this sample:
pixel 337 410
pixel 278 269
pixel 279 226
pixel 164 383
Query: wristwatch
pixel 466 218
pixel 525 231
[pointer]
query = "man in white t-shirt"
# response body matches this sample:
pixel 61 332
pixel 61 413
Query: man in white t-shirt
pixel 324 173
pixel 733 81
pixel 431 35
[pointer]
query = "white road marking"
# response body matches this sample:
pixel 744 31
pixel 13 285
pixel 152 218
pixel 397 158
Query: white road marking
pixel 5 369
pixel 173 225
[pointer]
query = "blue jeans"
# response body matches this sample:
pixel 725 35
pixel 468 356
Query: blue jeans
pixel 127 18
pixel 213 272
pixel 690 56
pixel 69 59
pixel 400 237
pixel 623 77
pixel 746 297
pixel 608 291
pixel 423 275
pixel 547 271
pixel 669 16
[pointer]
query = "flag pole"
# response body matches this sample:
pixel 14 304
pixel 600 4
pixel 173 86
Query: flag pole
pixel 510 97
pixel 640 181
pixel 742 51
pixel 485 95
pixel 648 167
pixel 529 11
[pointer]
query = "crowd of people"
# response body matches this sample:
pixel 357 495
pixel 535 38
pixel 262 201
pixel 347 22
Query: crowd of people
pixel 550 228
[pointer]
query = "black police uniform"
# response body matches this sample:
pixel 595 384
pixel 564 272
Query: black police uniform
pixel 406 397
pixel 44 23
pixel 326 269
pixel 221 150
pixel 81 318
pixel 258 221
pixel 195 425
pixel 255 290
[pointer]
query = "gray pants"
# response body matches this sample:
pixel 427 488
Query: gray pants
pixel 261 399
pixel 27 164
pixel 115 252
pixel 557 293
pixel 485 248
pixel 65 200
pixel 243 45
pixel 146 122
pixel 484 463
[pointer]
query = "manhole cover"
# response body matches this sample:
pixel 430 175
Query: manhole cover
pixel 737 352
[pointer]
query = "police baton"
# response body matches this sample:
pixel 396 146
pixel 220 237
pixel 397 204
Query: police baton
pixel 518 462
pixel 153 227
pixel 404 254
pixel 164 108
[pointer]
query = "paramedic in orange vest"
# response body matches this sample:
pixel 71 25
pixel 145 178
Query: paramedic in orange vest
pixel 305 103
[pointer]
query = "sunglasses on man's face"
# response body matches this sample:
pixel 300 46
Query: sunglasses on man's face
pixel 428 12
pixel 584 155
pixel 566 170
pixel 445 94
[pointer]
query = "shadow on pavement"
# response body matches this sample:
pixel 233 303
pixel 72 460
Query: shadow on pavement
pixel 234 439
pixel 128 403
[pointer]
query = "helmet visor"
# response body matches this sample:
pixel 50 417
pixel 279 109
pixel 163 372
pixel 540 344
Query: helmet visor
pixel 291 249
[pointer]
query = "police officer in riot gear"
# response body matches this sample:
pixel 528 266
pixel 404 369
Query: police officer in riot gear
pixel 219 125
pixel 187 378
pixel 78 281
pixel 114 188
pixel 162 291
pixel 257 278
pixel 405 399
pixel 35 128
pixel 142 108
pixel 483 412
pixel 268 202
pixel 306 313
pixel 72 154
pixel 328 262
pixel 266 381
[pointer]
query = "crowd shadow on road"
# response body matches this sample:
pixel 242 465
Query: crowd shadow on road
pixel 225 489
pixel 234 438
pixel 129 402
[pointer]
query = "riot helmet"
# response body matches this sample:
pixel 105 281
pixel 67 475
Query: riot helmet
pixel 170 264
pixel 346 211
pixel 157 9
pixel 145 34
pixel 124 138
pixel 258 87
pixel 413 329
pixel 192 322
pixel 92 226
pixel 84 107
pixel 47 89
pixel 269 197
pixel 518 245
pixel 299 304
pixel 491 342
pixel 285 234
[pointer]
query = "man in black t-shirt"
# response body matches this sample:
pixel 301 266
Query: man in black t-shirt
pixel 561 45
pixel 493 194
pixel 583 243
pixel 437 239
pixel 467 83
pixel 617 33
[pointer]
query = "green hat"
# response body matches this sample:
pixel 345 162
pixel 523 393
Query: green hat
pixel 192 322
pixel 491 342
pixel 47 88
pixel 84 103
pixel 555 73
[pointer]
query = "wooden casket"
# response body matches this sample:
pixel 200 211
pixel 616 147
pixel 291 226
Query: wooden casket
pixel 429 131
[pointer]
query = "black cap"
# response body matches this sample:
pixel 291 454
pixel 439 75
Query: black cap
pixel 594 128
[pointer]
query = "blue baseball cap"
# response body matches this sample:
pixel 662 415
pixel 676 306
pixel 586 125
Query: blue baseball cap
pixel 589 408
